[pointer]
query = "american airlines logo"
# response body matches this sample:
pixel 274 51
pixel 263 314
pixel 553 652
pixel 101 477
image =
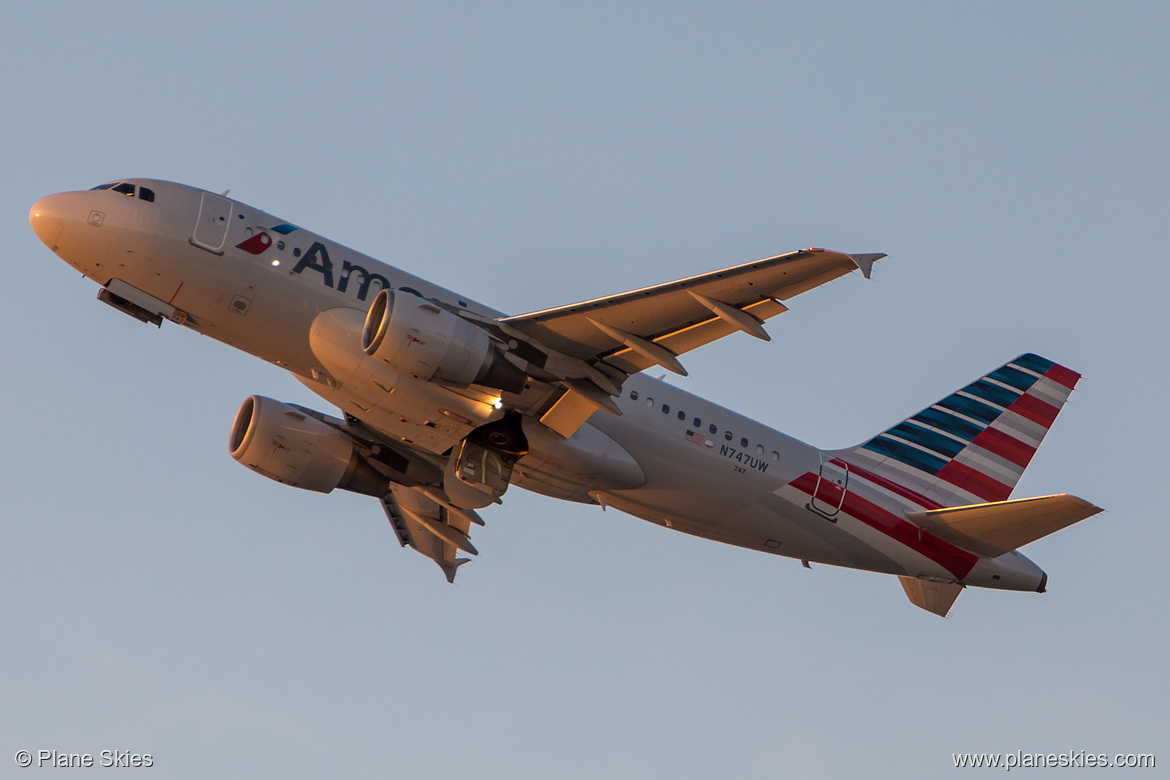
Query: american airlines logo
pixel 317 259
pixel 256 244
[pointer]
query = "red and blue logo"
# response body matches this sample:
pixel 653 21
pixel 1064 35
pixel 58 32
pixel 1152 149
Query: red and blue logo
pixel 260 242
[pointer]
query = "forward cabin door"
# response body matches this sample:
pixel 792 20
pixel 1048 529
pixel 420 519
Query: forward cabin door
pixel 211 227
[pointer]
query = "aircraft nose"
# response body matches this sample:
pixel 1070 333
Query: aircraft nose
pixel 47 217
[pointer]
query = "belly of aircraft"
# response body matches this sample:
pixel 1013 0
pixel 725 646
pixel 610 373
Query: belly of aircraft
pixel 767 523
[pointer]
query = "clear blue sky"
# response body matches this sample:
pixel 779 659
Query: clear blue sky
pixel 1010 157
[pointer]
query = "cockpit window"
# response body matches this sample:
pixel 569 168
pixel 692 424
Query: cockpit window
pixel 127 189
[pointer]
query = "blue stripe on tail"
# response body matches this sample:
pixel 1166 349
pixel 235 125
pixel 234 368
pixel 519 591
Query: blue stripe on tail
pixel 944 442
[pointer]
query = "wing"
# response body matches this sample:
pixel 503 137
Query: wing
pixel 423 520
pixel 576 358
pixel 685 314
pixel 601 342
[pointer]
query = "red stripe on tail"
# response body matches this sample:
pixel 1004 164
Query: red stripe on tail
pixel 1007 447
pixel 1032 408
pixel 890 485
pixel 954 559
pixel 1063 376
pixel 976 482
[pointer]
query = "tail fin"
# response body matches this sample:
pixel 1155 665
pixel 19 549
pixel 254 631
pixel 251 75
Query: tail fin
pixel 972 446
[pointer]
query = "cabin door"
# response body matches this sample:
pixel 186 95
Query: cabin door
pixel 211 227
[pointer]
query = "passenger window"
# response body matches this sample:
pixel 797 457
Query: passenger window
pixel 650 402
pixel 682 415
pixel 633 395
pixel 698 423
pixel 775 455
pixel 759 449
pixel 125 189
pixel 727 435
pixel 713 428
pixel 666 408
pixel 743 443
pixel 147 194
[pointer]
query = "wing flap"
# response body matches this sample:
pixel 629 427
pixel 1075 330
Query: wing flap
pixel 999 527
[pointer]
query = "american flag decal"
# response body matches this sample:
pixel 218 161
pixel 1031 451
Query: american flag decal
pixel 696 438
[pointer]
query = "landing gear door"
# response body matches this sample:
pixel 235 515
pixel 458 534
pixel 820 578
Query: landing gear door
pixel 832 485
pixel 211 227
pixel 476 476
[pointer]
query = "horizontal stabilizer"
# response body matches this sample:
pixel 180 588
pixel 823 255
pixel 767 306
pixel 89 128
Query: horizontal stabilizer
pixel 1001 526
pixel 936 597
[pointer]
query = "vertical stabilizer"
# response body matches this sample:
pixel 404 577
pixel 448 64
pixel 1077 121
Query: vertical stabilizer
pixel 972 446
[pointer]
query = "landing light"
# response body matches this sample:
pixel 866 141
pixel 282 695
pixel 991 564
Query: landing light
pixel 275 263
pixel 498 403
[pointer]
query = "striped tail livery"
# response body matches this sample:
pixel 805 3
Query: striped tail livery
pixel 940 481
pixel 973 445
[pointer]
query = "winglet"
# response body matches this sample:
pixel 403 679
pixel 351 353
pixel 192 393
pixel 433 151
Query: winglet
pixel 865 261
pixel 449 571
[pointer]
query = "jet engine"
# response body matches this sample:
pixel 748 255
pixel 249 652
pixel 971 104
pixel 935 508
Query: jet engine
pixel 417 337
pixel 284 443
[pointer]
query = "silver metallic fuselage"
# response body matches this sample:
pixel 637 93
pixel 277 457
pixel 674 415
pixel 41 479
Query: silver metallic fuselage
pixel 266 305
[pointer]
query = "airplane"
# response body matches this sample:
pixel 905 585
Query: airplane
pixel 445 402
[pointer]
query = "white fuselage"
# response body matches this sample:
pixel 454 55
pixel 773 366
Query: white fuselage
pixel 708 471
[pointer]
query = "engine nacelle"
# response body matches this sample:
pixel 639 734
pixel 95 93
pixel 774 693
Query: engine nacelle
pixel 285 444
pixel 416 337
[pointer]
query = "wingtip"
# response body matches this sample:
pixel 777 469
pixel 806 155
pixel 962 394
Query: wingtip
pixel 450 571
pixel 866 260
